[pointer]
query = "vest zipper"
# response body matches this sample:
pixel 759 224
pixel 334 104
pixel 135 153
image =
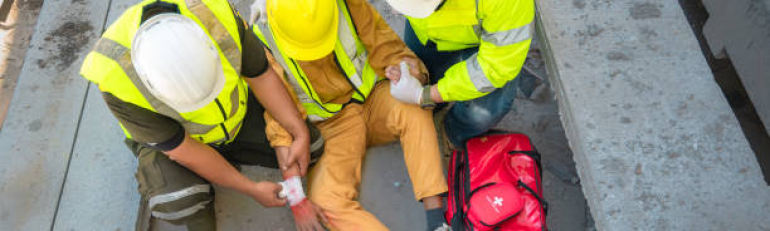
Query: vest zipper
pixel 222 125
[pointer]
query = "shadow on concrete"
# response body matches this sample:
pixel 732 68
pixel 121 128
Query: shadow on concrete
pixel 731 85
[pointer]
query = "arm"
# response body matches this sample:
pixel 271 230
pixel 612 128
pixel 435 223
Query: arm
pixel 383 44
pixel 209 164
pixel 503 50
pixel 271 93
pixel 276 134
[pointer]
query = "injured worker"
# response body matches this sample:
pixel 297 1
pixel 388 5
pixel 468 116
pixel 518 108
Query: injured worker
pixel 335 55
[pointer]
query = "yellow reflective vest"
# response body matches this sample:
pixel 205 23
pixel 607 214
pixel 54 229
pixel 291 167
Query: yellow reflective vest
pixel 109 66
pixel 501 29
pixel 350 55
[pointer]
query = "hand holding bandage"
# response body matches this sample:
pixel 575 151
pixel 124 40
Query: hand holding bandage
pixel 406 88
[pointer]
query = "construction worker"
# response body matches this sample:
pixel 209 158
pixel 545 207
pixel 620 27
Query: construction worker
pixel 334 53
pixel 176 74
pixel 474 50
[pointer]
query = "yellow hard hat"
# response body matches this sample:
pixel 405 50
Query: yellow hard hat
pixel 305 29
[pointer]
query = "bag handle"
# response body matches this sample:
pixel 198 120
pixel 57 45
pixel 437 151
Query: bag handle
pixel 543 203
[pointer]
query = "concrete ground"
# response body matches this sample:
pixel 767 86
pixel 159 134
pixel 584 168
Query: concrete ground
pixel 67 168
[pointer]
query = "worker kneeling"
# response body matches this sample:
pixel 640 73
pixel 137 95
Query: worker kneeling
pixel 334 53
pixel 176 74
pixel 474 51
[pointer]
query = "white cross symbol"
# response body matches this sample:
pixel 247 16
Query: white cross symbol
pixel 498 201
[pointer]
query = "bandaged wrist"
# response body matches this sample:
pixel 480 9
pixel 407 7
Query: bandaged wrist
pixel 292 190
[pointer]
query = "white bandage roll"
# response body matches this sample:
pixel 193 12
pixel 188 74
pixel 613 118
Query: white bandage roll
pixel 292 190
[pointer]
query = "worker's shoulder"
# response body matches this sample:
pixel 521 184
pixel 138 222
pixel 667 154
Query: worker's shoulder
pixel 122 28
pixel 504 6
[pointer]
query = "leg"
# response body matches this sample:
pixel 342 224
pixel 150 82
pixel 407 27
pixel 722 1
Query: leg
pixel 173 193
pixel 471 118
pixel 333 182
pixel 388 119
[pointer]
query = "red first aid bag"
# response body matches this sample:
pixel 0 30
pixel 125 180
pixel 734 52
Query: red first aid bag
pixel 495 184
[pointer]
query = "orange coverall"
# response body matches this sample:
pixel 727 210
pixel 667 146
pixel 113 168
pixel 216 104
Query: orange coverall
pixel 334 181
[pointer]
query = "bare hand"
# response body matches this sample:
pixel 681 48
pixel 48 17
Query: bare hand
pixel 306 216
pixel 393 72
pixel 266 193
pixel 299 154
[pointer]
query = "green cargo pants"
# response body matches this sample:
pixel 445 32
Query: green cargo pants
pixel 175 194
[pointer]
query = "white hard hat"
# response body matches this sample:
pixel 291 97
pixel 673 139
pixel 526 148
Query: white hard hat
pixel 177 62
pixel 415 8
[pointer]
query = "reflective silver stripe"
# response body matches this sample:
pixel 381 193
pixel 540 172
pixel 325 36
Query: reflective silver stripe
pixel 174 196
pixel 122 55
pixel 357 80
pixel 234 100
pixel 231 133
pixel 479 79
pixel 315 118
pixel 317 144
pixel 278 56
pixel 345 34
pixel 508 37
pixel 225 42
pixel 181 213
pixel 298 91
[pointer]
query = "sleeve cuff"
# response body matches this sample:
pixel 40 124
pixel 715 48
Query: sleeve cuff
pixel 170 144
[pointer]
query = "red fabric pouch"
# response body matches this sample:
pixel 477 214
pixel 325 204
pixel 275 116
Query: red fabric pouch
pixel 492 204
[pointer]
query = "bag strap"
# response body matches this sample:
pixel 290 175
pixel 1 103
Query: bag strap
pixel 457 221
pixel 543 203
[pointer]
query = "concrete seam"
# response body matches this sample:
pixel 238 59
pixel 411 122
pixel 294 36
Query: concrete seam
pixel 77 130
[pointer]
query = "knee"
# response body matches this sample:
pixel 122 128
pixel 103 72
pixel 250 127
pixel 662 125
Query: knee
pixel 332 201
pixel 184 205
pixel 478 116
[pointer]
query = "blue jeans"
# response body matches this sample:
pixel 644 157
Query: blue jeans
pixel 466 119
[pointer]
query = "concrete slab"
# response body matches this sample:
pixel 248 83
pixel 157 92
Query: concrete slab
pixel 538 117
pixel 740 29
pixel 100 188
pixel 236 211
pixel 386 190
pixel 37 137
pixel 656 144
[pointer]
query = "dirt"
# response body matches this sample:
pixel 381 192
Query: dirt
pixel 30 5
pixel 644 11
pixel 70 39
pixel 19 26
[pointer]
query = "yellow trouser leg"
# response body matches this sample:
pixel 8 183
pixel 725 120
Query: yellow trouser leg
pixel 333 182
pixel 388 119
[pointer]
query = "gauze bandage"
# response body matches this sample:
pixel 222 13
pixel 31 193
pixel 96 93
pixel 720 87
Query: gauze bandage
pixel 408 89
pixel 292 190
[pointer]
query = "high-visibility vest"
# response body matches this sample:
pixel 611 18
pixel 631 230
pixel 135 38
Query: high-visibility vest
pixel 502 29
pixel 109 66
pixel 350 56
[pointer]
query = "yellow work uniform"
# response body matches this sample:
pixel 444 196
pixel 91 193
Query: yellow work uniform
pixel 502 31
pixel 334 181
